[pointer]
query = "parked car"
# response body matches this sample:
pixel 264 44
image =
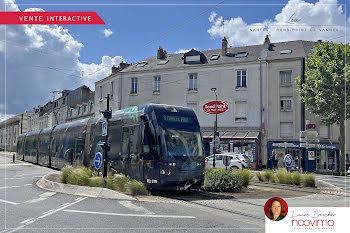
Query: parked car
pixel 235 162
pixel 246 163
pixel 348 172
pixel 1 149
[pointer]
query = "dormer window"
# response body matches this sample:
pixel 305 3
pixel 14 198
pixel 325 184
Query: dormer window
pixel 163 62
pixel 196 58
pixel 285 51
pixel 241 54
pixel 214 57
pixel 142 64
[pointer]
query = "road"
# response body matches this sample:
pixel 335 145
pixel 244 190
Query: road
pixel 27 208
pixel 341 182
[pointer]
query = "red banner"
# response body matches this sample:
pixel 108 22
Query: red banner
pixel 53 17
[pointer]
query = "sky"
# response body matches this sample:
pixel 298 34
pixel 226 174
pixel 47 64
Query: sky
pixel 38 59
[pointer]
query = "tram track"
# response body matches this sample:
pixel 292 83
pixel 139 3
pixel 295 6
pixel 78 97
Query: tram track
pixel 191 197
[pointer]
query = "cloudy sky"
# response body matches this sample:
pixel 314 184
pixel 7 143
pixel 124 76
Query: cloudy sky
pixel 38 59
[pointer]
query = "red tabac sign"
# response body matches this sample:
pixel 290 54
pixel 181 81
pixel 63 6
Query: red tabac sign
pixel 210 107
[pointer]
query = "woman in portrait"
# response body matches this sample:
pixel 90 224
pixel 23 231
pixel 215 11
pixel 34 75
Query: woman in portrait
pixel 277 210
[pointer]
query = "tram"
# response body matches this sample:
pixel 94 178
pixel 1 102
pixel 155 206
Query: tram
pixel 159 145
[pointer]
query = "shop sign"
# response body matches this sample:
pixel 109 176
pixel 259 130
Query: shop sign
pixel 285 145
pixel 210 107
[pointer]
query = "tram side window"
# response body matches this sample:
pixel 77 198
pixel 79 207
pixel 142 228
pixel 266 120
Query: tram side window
pixel 125 141
pixel 115 139
pixel 150 147
pixel 130 139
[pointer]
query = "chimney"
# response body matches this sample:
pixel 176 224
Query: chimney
pixel 114 69
pixel 267 43
pixel 161 54
pixel 224 47
pixel 123 65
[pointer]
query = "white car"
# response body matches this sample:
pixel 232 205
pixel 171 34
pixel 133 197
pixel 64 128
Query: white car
pixel 246 163
pixel 234 162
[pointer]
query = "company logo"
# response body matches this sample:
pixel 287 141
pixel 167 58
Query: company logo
pixel 210 107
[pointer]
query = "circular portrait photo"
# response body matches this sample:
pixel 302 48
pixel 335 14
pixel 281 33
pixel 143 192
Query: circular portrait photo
pixel 276 208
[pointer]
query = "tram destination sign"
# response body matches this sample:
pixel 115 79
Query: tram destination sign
pixel 177 119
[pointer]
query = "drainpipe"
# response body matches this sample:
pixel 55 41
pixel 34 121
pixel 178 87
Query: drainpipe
pixel 302 113
pixel 120 91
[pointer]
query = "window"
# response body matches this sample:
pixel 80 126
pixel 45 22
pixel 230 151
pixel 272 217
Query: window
pixel 195 58
pixel 111 88
pixel 156 84
pixel 192 82
pixel 323 131
pixel 286 104
pixel 241 112
pixel 71 112
pixel 64 101
pixel 85 107
pixel 100 92
pixel 215 57
pixel 285 51
pixel 142 64
pixel 163 62
pixel 78 111
pixel 241 78
pixel 286 129
pixel 241 54
pixel 133 85
pixel 286 78
pixel 91 106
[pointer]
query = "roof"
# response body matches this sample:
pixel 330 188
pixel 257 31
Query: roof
pixel 299 49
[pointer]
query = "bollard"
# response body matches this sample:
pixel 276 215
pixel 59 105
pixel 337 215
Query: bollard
pixel 13 158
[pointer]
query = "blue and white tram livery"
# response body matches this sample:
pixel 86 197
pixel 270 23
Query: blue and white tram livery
pixel 159 145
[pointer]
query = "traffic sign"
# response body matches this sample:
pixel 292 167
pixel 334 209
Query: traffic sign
pixel 288 160
pixel 104 128
pixel 98 160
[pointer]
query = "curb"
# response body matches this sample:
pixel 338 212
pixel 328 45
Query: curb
pixel 77 190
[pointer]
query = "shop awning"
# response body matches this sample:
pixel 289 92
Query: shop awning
pixel 232 134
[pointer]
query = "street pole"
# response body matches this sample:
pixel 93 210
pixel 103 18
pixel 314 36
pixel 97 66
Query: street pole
pixel 107 114
pixel 216 123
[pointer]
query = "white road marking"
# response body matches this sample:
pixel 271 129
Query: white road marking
pixel 45 215
pixel 129 215
pixel 47 194
pixel 9 202
pixel 25 221
pixel 48 211
pixel 130 205
pixel 36 200
pixel 65 204
pixel 16 186
pixel 77 199
pixel 30 174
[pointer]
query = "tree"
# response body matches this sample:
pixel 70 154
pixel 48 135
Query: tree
pixel 326 88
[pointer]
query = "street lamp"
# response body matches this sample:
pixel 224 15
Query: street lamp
pixel 216 122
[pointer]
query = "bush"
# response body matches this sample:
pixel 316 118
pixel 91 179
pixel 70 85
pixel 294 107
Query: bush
pixel 268 174
pixel 97 181
pixel 136 188
pixel 246 176
pixel 260 178
pixel 308 180
pixel 87 171
pixel 221 180
pixel 296 178
pixel 283 177
pixel 110 184
pixel 66 172
pixel 120 180
pixel 78 177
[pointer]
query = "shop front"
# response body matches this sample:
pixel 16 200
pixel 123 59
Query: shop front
pixel 237 142
pixel 322 157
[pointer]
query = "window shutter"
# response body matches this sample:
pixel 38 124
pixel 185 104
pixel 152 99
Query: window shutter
pixel 323 131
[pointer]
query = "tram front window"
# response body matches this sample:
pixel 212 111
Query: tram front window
pixel 182 143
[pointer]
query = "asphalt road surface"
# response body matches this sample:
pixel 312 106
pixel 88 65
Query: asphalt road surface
pixel 26 208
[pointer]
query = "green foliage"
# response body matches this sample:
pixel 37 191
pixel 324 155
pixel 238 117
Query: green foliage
pixel 97 181
pixel 260 178
pixel 326 73
pixel 66 172
pixel 78 177
pixel 219 179
pixel 246 176
pixel 296 178
pixel 136 188
pixel 268 174
pixel 283 176
pixel 308 180
pixel 87 171
pixel 120 180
